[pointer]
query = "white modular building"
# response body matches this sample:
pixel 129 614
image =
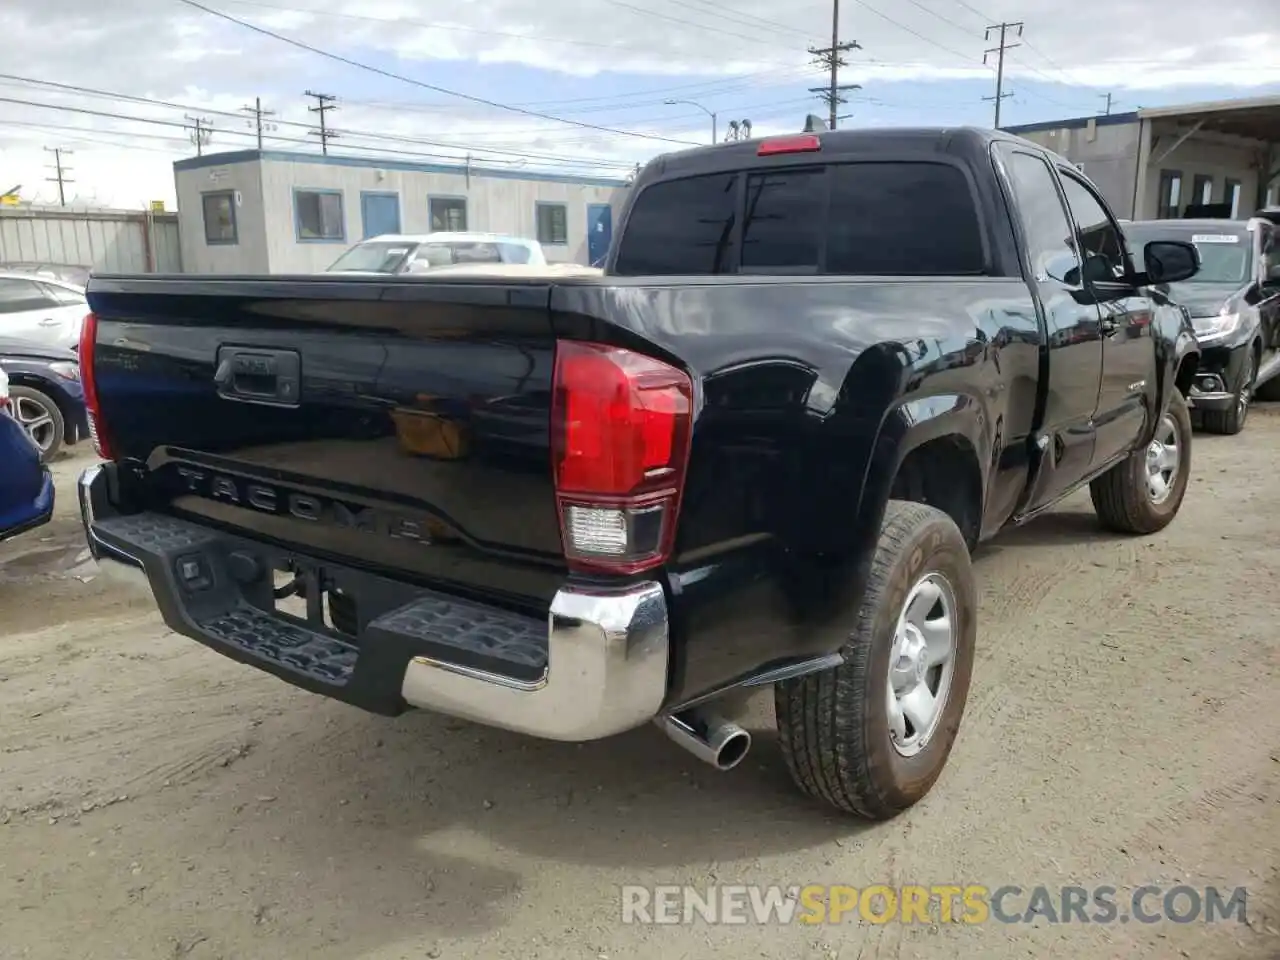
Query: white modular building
pixel 268 211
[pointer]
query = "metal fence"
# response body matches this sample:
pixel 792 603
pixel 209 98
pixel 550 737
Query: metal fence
pixel 109 241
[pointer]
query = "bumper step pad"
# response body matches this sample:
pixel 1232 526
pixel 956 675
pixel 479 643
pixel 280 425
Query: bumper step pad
pixel 238 619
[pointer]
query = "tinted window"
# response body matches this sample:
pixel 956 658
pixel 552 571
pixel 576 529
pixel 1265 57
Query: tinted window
pixel 19 295
pixel 1100 243
pixel 681 227
pixel 375 257
pixel 1044 221
pixel 902 219
pixel 782 226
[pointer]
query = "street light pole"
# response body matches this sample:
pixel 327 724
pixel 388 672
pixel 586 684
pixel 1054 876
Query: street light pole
pixel 709 113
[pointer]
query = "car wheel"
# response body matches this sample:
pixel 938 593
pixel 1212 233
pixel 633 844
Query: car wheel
pixel 1143 492
pixel 872 735
pixel 40 418
pixel 1231 421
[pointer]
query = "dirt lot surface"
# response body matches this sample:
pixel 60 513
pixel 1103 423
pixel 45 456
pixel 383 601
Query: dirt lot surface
pixel 160 801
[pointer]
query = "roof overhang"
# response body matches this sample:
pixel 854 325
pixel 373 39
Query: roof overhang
pixel 1257 118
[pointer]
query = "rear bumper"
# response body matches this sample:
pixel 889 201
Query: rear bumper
pixel 596 666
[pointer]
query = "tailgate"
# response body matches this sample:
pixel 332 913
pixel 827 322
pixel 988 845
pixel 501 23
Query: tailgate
pixel 404 426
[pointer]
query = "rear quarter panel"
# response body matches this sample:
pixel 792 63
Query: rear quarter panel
pixel 810 394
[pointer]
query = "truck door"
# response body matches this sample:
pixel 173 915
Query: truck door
pixel 1070 392
pixel 1128 351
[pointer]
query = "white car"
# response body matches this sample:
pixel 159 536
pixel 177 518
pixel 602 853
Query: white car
pixel 41 309
pixel 419 253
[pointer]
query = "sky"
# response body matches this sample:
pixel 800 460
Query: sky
pixel 574 86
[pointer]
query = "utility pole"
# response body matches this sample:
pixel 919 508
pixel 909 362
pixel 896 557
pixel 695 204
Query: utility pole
pixel 324 103
pixel 1004 28
pixel 1107 97
pixel 201 132
pixel 60 173
pixel 258 114
pixel 830 57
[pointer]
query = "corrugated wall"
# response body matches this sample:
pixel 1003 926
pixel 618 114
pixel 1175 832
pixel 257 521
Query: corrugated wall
pixel 109 241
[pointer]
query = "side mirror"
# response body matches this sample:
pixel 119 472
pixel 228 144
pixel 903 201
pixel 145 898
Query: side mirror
pixel 1170 261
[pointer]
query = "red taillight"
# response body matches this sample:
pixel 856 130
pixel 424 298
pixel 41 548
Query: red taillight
pixel 620 444
pixel 89 382
pixel 805 143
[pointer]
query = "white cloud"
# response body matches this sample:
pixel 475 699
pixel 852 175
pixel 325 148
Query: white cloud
pixel 748 54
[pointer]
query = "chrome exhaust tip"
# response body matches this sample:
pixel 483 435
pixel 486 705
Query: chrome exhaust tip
pixel 710 738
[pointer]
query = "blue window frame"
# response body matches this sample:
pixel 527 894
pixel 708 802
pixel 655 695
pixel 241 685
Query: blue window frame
pixel 447 214
pixel 318 216
pixel 219 209
pixel 552 222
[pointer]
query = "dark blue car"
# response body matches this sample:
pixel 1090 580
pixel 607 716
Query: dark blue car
pixel 26 486
pixel 45 395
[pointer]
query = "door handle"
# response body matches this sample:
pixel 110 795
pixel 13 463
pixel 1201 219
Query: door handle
pixel 49 322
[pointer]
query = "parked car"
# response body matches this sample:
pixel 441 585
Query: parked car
pixel 41 309
pixel 46 396
pixel 757 449
pixel 1234 304
pixel 26 486
pixel 69 273
pixel 421 253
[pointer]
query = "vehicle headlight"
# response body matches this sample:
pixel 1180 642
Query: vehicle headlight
pixel 1214 328
pixel 65 369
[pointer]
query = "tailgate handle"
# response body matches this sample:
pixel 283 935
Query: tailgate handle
pixel 258 375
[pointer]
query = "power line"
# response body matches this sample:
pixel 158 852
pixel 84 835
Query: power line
pixel 831 58
pixel 201 132
pixel 419 83
pixel 324 103
pixel 258 114
pixel 90 91
pixel 60 172
pixel 185 126
pixel 1000 50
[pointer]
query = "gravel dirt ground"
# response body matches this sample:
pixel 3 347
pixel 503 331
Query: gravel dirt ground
pixel 160 801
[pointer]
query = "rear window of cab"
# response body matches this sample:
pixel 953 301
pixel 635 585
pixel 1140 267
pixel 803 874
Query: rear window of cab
pixel 842 219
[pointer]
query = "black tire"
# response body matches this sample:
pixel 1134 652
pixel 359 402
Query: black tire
pixel 53 432
pixel 1231 421
pixel 1121 497
pixel 833 726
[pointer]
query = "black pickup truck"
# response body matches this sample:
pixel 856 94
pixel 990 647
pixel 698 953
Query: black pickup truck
pixel 817 370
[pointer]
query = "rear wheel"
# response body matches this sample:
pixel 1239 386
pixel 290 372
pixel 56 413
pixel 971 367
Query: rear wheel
pixel 40 418
pixel 1143 492
pixel 872 735
pixel 1231 421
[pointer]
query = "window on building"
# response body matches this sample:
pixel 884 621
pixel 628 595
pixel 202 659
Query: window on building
pixel 448 213
pixel 219 217
pixel 1170 201
pixel 318 215
pixel 1231 194
pixel 553 223
pixel 1202 189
